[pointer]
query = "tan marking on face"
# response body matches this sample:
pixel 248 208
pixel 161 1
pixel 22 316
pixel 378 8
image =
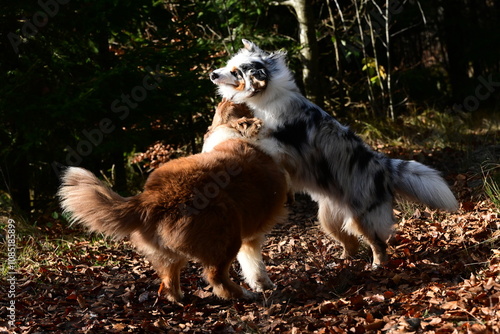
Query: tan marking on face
pixel 241 85
pixel 258 85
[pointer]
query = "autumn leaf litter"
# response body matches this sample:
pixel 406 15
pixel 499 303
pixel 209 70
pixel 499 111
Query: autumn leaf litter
pixel 443 277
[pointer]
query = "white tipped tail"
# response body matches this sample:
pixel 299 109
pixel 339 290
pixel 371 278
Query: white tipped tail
pixel 93 204
pixel 418 182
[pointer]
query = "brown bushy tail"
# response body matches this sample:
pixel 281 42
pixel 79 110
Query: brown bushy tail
pixel 94 205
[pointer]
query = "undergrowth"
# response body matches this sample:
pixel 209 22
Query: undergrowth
pixel 491 175
pixel 37 248
pixel 431 129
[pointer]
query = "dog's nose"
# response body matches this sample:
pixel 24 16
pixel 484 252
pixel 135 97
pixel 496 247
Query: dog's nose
pixel 213 76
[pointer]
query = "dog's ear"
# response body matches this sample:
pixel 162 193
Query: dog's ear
pixel 277 55
pixel 249 45
pixel 252 47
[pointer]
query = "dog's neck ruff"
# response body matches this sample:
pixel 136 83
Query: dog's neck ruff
pixel 277 107
pixel 279 97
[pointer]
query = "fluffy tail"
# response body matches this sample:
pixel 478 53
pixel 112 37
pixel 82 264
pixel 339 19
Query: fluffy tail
pixel 418 182
pixel 93 204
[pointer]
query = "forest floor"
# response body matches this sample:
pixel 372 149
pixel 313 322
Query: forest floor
pixel 443 277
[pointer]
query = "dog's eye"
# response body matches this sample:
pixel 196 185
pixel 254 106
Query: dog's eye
pixel 236 73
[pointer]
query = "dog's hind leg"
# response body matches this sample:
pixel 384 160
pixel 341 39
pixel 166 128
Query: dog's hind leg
pixel 223 286
pixel 332 221
pixel 216 270
pixel 376 226
pixel 252 265
pixel 167 263
pixel 379 249
pixel 169 271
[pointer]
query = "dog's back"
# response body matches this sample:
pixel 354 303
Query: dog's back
pixel 236 176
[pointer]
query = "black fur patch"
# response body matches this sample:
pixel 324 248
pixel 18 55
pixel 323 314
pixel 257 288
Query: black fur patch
pixel 361 157
pixel 294 134
pixel 257 65
pixel 313 113
pixel 383 187
pixel 324 175
pixel 355 203
pixel 324 172
pixel 374 205
pixel 379 183
pixel 390 172
pixel 257 69
pixel 349 135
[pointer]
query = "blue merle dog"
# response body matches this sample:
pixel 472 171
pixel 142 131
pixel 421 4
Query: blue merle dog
pixel 353 185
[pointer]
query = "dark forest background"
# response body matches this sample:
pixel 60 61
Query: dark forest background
pixel 96 83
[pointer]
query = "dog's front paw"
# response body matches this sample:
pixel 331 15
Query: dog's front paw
pixel 248 127
pixel 263 284
pixel 248 295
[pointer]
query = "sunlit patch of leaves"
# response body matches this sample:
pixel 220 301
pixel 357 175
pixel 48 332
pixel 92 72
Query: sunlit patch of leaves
pixel 155 155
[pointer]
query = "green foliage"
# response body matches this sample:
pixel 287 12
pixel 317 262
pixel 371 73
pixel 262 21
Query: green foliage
pixel 430 128
pixel 491 175
pixel 88 63
pixel 376 75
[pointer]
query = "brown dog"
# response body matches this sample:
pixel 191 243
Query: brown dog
pixel 210 207
pixel 230 116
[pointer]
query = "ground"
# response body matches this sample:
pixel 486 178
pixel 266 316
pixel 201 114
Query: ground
pixel 443 277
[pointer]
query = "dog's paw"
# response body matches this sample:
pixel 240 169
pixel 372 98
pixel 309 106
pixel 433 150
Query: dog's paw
pixel 248 127
pixel 172 295
pixel 248 295
pixel 263 284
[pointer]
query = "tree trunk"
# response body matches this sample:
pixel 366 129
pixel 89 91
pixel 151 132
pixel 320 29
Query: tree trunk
pixel 341 112
pixel 309 50
pixel 105 61
pixel 388 55
pixel 454 39
pixel 17 176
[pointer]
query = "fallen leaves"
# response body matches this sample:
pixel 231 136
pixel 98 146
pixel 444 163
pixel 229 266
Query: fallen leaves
pixel 443 277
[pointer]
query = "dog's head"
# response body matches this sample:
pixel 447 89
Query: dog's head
pixel 231 120
pixel 248 73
